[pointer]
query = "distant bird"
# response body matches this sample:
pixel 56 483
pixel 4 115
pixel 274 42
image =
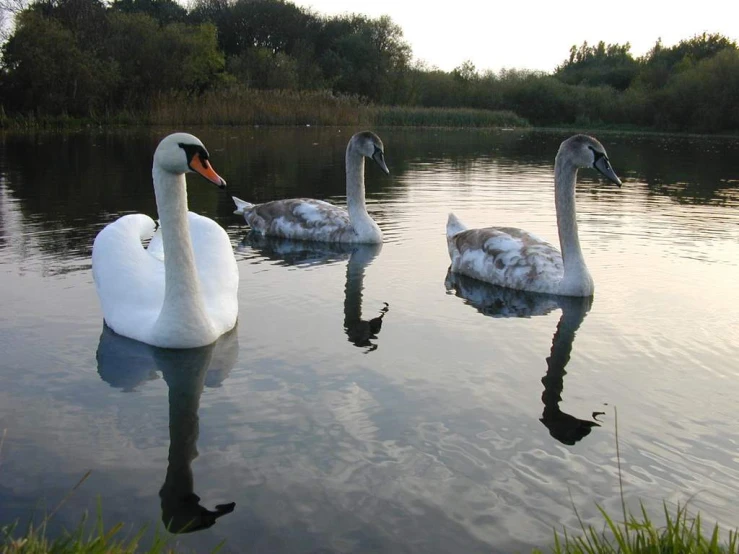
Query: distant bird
pixel 181 291
pixel 316 220
pixel 515 258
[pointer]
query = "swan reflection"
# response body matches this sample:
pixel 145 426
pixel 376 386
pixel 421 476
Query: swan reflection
pixel 360 332
pixel 496 301
pixel 126 364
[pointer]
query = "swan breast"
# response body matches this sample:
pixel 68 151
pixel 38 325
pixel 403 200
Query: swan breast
pixel 508 257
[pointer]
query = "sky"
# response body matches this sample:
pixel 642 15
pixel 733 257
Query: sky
pixel 536 34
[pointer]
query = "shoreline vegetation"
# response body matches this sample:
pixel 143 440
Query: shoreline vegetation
pixel 635 534
pixel 238 106
pixel 680 532
pixel 72 63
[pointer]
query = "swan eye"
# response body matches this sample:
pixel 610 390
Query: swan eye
pixel 193 150
pixel 597 155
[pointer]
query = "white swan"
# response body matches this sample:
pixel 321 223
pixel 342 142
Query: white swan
pixel 309 219
pixel 181 291
pixel 514 258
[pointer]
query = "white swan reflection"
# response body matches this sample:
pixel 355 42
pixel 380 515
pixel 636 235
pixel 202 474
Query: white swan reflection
pixel 495 301
pixel 360 332
pixel 125 363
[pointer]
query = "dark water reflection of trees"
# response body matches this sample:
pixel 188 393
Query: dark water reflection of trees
pixel 66 186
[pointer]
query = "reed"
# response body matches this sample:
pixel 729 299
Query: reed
pixel 638 534
pixel 84 539
pixel 81 540
pixel 240 106
pixel 403 116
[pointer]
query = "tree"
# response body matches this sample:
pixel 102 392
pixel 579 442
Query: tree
pixel 603 64
pixel 363 56
pixel 85 19
pixel 164 11
pixel 45 69
pixel 264 69
pixel 465 72
pixel 661 62
pixel 155 59
pixel 704 97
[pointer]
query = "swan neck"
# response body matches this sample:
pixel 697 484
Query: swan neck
pixel 355 202
pixel 565 176
pixel 182 299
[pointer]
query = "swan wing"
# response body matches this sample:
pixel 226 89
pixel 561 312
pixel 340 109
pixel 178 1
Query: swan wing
pixel 508 257
pixel 301 218
pixel 217 270
pixel 129 280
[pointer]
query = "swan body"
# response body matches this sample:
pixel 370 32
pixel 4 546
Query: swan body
pixel 180 291
pixel 517 259
pixel 316 220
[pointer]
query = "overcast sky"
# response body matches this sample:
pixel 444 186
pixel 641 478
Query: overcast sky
pixel 535 34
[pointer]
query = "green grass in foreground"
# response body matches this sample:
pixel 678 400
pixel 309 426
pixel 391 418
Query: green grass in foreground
pixel 636 534
pixel 79 541
pixel 681 534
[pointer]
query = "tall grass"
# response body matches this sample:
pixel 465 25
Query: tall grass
pixel 241 106
pixel 681 534
pixel 638 534
pixel 404 116
pixel 81 540
pixel 96 540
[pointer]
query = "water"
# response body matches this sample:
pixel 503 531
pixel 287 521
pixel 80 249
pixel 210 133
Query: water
pixel 367 401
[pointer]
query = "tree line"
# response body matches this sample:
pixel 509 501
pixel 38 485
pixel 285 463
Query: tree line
pixel 89 57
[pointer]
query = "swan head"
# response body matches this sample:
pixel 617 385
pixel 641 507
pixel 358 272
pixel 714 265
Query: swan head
pixel 585 151
pixel 369 145
pixel 181 153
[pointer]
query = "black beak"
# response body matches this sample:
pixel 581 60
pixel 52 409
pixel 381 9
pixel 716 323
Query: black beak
pixel 603 166
pixel 380 160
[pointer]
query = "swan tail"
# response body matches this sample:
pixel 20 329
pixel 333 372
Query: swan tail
pixel 242 206
pixel 454 226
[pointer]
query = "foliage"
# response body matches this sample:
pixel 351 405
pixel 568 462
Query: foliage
pixel 639 535
pixel 610 65
pixel 151 58
pixel 661 62
pixel 445 117
pixel 164 11
pixel 80 541
pixel 47 71
pixel 703 97
pixel 116 61
pixel 239 105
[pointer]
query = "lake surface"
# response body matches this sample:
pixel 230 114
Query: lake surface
pixel 367 401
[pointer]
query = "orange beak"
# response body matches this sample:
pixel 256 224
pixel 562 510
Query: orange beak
pixel 206 170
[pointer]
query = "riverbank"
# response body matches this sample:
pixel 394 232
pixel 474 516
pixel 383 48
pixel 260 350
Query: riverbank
pixel 245 107
pixel 680 532
pixel 240 106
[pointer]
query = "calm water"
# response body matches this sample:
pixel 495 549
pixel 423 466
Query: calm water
pixel 367 401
